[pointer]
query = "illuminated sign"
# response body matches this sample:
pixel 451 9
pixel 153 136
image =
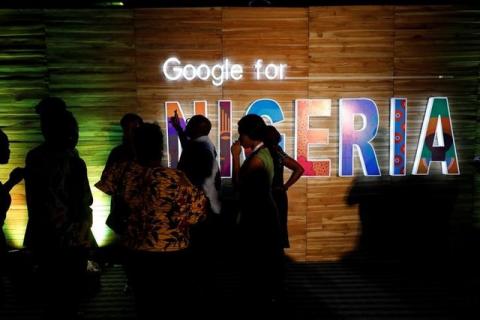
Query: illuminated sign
pixel 436 143
pixel 173 70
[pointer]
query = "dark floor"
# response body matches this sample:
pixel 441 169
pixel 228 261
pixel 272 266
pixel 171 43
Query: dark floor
pixel 350 289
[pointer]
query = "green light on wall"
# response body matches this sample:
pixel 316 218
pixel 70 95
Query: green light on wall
pixel 100 210
pixel 17 217
pixel 95 157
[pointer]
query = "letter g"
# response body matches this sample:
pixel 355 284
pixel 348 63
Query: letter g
pixel 176 71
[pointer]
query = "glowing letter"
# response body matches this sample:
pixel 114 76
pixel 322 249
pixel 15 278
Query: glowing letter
pixel 305 108
pixel 437 142
pixel 258 67
pixel 225 137
pixel 360 139
pixel 398 136
pixel 177 72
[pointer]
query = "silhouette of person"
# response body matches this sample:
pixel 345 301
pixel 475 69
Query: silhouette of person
pixel 163 205
pixel 198 158
pixel 125 151
pixel 259 225
pixel 121 153
pixel 59 214
pixel 199 163
pixel 5 200
pixel 279 188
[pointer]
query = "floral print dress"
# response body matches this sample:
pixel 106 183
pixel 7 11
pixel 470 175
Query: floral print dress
pixel 163 205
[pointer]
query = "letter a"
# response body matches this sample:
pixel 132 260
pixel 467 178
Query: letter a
pixel 437 142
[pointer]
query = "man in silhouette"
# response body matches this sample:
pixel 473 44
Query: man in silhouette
pixel 198 158
pixel 199 163
pixel 121 153
pixel 59 214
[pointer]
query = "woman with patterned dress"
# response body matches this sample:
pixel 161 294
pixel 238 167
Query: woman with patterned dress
pixel 163 205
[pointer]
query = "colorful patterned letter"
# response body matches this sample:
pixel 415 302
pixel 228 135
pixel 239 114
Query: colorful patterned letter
pixel 349 137
pixel 398 136
pixel 225 137
pixel 305 137
pixel 437 142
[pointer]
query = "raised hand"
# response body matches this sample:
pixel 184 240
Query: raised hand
pixel 175 121
pixel 236 149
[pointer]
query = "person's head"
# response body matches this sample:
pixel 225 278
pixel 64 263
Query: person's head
pixel 148 143
pixel 272 137
pixel 251 129
pixel 198 126
pixel 60 130
pixel 129 123
pixel 4 148
pixel 50 105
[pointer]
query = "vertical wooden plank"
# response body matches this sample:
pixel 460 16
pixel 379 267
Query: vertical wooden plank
pixel 351 56
pixel 193 35
pixel 91 64
pixel 437 51
pixel 274 35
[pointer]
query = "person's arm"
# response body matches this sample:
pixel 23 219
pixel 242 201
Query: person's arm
pixel 236 148
pixel 175 121
pixel 16 176
pixel 111 177
pixel 297 171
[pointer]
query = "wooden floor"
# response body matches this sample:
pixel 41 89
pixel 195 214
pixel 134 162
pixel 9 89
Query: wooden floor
pixel 340 290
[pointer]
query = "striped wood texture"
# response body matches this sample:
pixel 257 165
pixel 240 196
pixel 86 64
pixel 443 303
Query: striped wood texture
pixel 106 62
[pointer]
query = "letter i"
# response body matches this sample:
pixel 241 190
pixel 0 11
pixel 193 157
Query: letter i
pixel 225 137
pixel 398 136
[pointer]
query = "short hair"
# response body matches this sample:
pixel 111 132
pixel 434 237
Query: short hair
pixel 272 136
pixel 49 105
pixel 253 126
pixel 60 129
pixel 200 124
pixel 148 142
pixel 130 117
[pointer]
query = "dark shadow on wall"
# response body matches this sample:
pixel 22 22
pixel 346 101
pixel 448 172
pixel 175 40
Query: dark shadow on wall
pixel 419 230
pixel 405 218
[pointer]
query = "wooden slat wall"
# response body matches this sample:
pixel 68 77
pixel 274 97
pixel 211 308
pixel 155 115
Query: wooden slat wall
pixel 106 62
pixel 432 42
pixel 23 72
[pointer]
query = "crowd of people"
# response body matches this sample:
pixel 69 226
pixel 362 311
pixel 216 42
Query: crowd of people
pixel 166 219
